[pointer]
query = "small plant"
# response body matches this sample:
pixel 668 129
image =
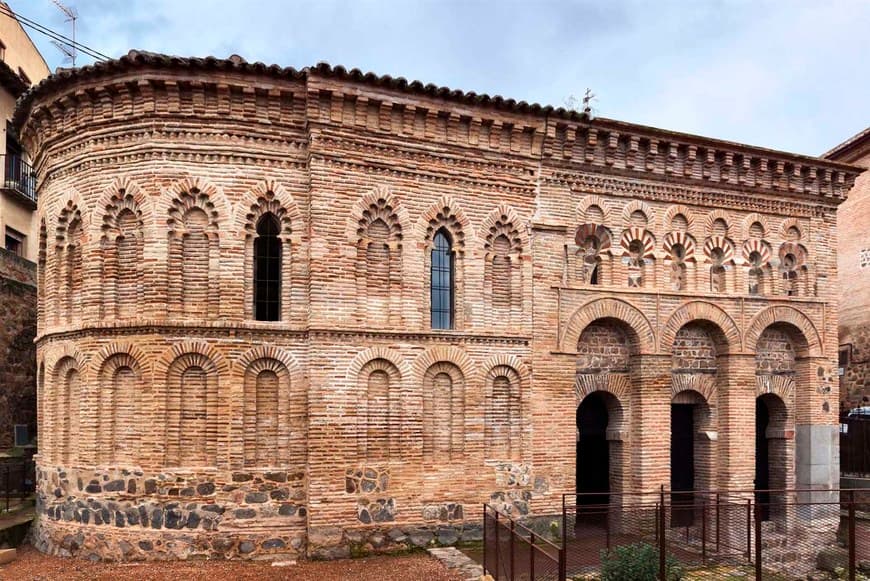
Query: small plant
pixel 554 529
pixel 842 573
pixel 637 562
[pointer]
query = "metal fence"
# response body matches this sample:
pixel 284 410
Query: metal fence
pixel 17 478
pixel 771 535
pixel 513 551
pixel 19 176
pixel 855 445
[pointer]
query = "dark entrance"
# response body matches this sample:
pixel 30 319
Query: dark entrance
pixel 762 459
pixel 593 460
pixel 682 464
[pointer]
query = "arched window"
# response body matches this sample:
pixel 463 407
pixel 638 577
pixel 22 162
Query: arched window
pixel 267 269
pixel 717 271
pixel 441 282
pixel 501 272
pixel 678 267
pixel 756 273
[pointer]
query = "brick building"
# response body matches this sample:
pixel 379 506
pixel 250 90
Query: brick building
pixel 321 311
pixel 853 218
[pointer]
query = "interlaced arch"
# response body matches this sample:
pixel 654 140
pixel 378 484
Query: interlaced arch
pixel 379 261
pixel 268 224
pixel 69 261
pixel 122 246
pixel 443 412
pixel 194 255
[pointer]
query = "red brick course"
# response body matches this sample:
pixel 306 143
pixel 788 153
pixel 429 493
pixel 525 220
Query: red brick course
pixel 350 424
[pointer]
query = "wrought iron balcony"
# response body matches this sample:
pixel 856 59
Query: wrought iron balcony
pixel 19 177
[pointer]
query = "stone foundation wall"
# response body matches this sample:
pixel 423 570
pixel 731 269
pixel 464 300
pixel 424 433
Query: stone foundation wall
pixel 118 514
pixel 17 350
pixel 152 195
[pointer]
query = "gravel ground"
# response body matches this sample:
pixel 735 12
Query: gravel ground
pixel 32 565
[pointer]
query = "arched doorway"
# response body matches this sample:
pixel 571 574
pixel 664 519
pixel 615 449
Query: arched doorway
pixel 771 455
pixel 593 469
pixel 691 454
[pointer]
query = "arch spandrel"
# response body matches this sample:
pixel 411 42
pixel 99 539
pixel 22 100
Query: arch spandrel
pixel 608 308
pixel 788 315
pixel 704 312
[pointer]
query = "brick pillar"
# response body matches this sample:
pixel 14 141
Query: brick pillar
pixel 650 423
pixel 736 430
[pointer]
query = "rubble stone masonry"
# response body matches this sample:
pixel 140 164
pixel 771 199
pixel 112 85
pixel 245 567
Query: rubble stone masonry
pixel 17 350
pixel 585 255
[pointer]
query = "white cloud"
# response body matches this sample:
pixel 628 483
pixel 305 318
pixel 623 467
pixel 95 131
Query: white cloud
pixel 787 74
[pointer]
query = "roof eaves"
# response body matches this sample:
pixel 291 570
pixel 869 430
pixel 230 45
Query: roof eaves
pixel 851 143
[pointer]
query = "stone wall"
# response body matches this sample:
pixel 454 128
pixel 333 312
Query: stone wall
pixel 163 390
pixel 17 349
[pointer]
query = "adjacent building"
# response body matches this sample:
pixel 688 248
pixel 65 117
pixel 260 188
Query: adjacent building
pixel 853 228
pixel 20 65
pixel 320 311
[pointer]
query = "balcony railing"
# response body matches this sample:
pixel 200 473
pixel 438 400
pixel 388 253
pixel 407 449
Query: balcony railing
pixel 19 177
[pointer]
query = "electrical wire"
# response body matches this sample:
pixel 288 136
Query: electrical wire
pixel 54 35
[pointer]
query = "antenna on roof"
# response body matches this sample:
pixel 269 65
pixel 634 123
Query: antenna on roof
pixel 584 105
pixel 587 101
pixel 69 50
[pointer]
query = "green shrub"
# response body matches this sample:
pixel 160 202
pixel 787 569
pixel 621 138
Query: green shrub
pixel 638 562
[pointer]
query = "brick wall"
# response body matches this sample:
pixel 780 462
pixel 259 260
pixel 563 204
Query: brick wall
pixel 18 360
pixel 854 266
pixel 351 424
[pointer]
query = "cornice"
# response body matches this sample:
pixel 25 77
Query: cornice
pixel 494 185
pixel 150 141
pixel 712 195
pixel 248 330
pixel 154 86
pixel 616 147
pixel 763 300
pixel 523 170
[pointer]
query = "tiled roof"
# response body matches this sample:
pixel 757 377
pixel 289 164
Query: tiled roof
pixel 854 141
pixel 137 58
pixel 11 81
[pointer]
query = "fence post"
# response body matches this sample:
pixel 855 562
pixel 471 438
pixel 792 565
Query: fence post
pixel 852 535
pixel 749 530
pixel 718 519
pixel 485 560
pixel 511 549
pixel 662 544
pixel 497 546
pixel 704 532
pixel 757 543
pixel 532 555
pixel 563 552
pixel 7 487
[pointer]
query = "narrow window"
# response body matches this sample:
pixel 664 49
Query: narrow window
pixel 14 241
pixel 441 283
pixel 267 269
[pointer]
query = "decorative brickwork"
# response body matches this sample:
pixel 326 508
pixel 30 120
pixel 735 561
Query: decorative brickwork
pixel 586 261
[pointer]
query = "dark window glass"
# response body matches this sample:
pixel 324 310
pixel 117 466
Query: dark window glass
pixel 441 285
pixel 14 241
pixel 267 269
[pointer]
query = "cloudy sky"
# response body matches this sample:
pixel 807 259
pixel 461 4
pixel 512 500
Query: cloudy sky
pixel 787 74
